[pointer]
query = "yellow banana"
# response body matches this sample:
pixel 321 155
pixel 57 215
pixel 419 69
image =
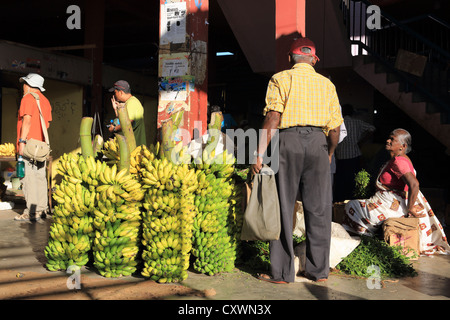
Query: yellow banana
pixel 89 165
pixel 124 178
pixel 113 173
pixel 110 192
pixel 133 162
pixel 107 174
pixel 120 174
pixel 134 186
pixel 74 180
pixel 101 177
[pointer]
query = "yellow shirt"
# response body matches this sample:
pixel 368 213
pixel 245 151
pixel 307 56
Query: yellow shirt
pixel 304 98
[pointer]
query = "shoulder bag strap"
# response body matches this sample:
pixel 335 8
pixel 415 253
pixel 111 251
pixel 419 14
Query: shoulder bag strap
pixel 43 125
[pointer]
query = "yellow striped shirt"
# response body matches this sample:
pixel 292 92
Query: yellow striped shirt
pixel 304 98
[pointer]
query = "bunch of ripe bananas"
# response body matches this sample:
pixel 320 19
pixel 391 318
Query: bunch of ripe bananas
pixel 216 227
pixel 136 159
pixel 7 149
pixel 71 232
pixel 111 151
pixel 76 169
pixel 117 222
pixel 168 217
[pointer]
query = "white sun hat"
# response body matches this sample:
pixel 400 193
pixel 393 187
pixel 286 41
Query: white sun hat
pixel 34 80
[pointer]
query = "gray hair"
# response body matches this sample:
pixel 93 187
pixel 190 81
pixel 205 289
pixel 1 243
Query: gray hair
pixel 297 58
pixel 404 137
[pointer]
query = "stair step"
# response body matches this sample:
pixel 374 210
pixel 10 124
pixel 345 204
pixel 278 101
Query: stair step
pixel 403 86
pixel 432 108
pixel 418 97
pixel 435 122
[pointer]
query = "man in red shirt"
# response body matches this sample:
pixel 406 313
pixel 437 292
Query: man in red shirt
pixel 34 183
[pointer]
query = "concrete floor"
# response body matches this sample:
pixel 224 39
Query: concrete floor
pixel 22 245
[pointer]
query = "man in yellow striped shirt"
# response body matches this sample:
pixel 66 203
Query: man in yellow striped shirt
pixel 305 108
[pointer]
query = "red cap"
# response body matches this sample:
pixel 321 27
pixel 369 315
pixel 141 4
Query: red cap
pixel 300 43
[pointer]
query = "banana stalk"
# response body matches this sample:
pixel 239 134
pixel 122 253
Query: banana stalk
pixel 85 136
pixel 169 127
pixel 177 117
pixel 216 124
pixel 127 129
pixel 167 142
pixel 124 161
pixel 216 120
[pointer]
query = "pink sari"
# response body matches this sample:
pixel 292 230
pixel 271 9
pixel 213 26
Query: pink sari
pixel 365 216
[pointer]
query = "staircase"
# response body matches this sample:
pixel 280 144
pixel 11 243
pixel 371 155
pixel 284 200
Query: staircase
pixel 418 84
pixel 420 110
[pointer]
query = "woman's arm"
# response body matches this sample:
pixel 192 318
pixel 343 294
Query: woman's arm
pixel 413 191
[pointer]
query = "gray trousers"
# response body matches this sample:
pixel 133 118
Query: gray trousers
pixel 304 166
pixel 35 187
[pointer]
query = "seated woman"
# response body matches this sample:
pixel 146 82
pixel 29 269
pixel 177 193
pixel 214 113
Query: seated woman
pixel 397 195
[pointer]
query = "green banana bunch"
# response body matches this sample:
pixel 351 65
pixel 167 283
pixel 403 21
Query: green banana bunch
pixel 168 216
pixel 61 255
pixel 117 222
pixel 71 232
pixel 218 223
pixel 69 240
pixel 116 247
pixel 167 241
pixel 213 252
pixel 237 208
pixel 165 258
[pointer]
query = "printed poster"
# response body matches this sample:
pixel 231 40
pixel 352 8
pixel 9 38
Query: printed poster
pixel 173 23
pixel 177 67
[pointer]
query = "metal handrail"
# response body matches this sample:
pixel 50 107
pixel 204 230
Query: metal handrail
pixel 385 42
pixel 424 17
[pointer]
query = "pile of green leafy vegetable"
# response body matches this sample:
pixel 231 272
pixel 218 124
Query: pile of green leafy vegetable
pixel 256 254
pixel 363 185
pixel 391 261
pixel 372 251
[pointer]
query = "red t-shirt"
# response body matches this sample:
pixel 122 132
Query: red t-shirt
pixel 28 106
pixel 393 172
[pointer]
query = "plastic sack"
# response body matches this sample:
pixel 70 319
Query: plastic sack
pixel 262 215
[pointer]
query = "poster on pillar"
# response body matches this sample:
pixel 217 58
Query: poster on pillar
pixel 182 68
pixel 173 23
pixel 174 82
pixel 174 85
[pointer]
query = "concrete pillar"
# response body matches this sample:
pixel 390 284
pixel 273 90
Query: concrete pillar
pixel 289 24
pixel 183 72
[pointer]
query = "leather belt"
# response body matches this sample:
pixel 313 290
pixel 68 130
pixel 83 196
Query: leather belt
pixel 302 129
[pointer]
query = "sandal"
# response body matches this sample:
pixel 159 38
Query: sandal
pixel 309 277
pixel 26 217
pixel 266 277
